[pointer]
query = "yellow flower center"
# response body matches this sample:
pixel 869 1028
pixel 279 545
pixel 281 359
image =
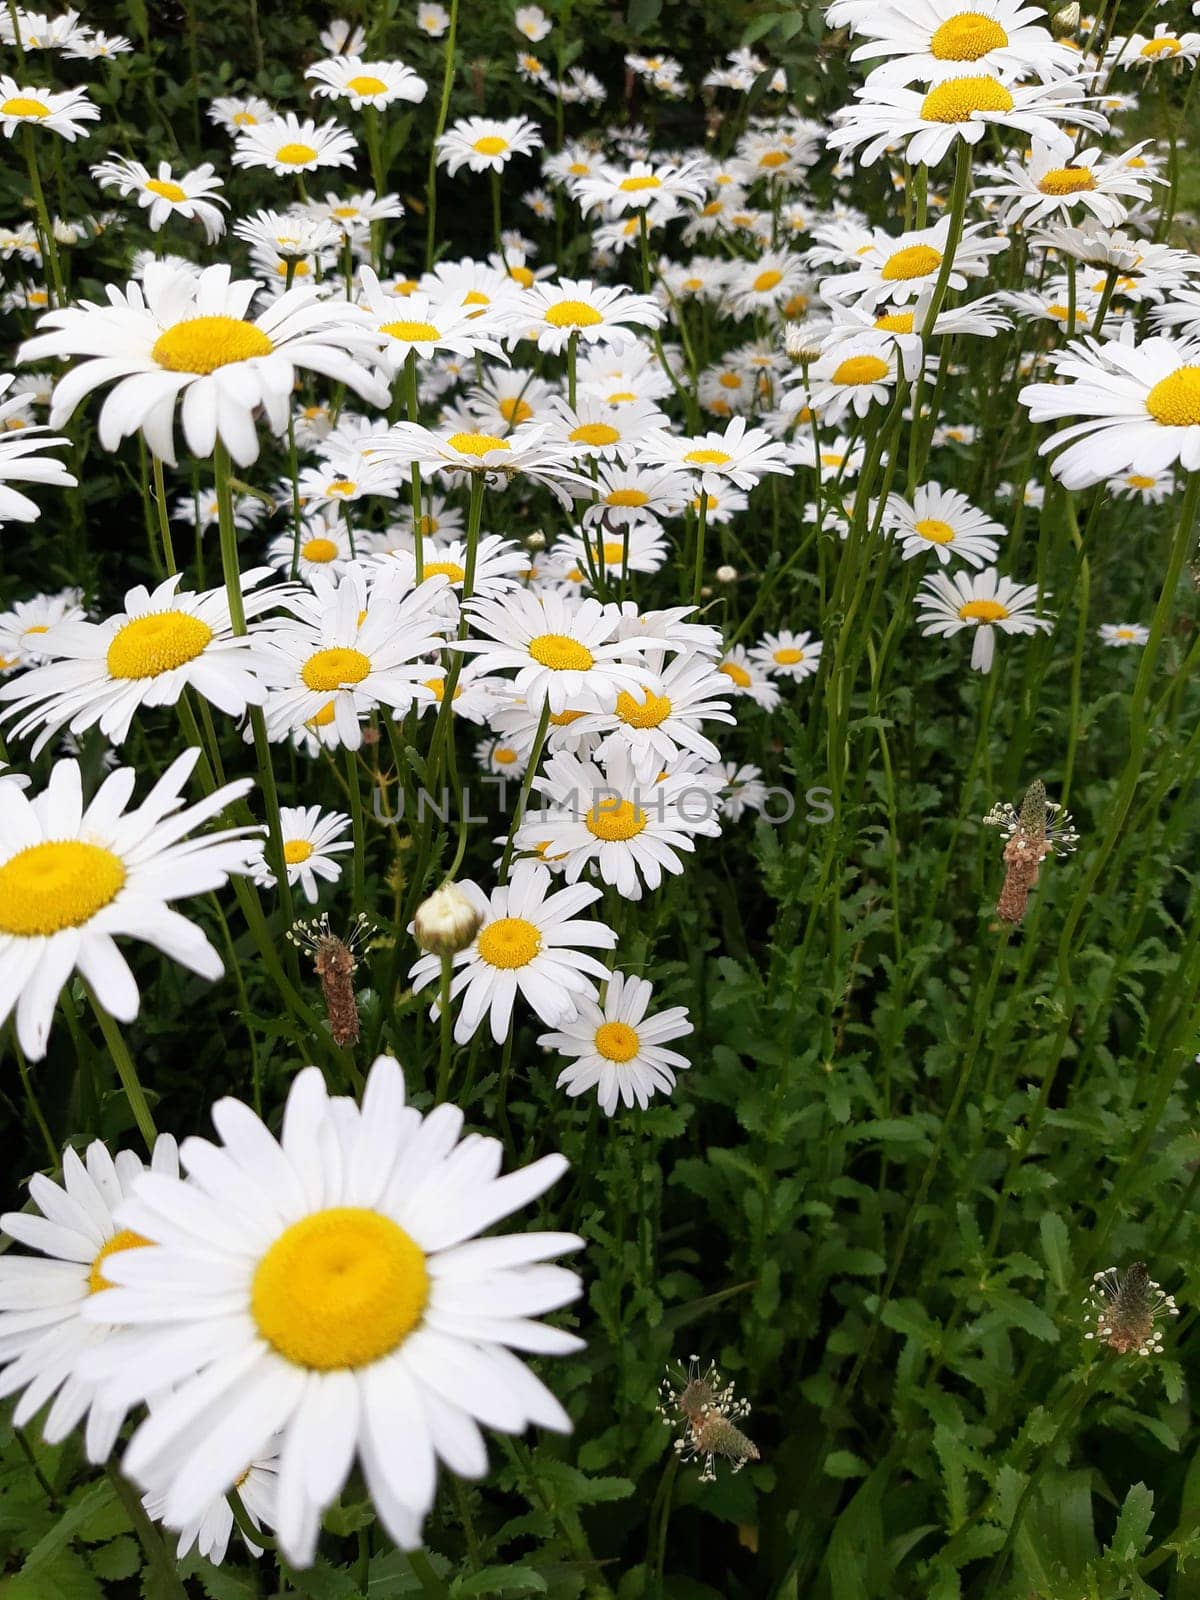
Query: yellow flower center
pixel 773 158
pixel 448 569
pixel 22 106
pixel 1137 480
pixel 515 410
pixel 1164 46
pixel 573 314
pixel 561 653
pixel 126 1239
pixel 352 211
pixel 365 84
pixel 296 850
pixel 616 1041
pixel 202 344
pixel 491 144
pixel 319 550
pixel 1062 313
pixel 438 686
pixel 861 369
pixel 323 717
pixel 522 275
pixel 38 627
pixel 295 155
pixel 340 1288
pixel 636 185
pixel 958 99
pixel 983 611
pixel 767 280
pixel 915 261
pixel 414 332
pixel 788 657
pixel 168 191
pixel 626 497
pixel 935 530
pixel 736 674
pixel 621 397
pixel 563 719
pixel 1175 401
pixel 1066 180
pixel 509 942
pixel 597 433
pixel 831 458
pixel 504 755
pixel 339 668
pixel 967 37
pixel 151 645
pixel 245 119
pixel 579 169
pixel 651 713
pixel 730 380
pixel 63 884
pixel 895 322
pixel 707 458
pixel 476 444
pixel 342 485
pixel 615 820
pixel 428 526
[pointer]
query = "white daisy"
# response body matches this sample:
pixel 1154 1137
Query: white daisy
pixel 42 1332
pixel 1056 180
pixel 425 326
pixel 485 145
pixel 618 1050
pixel 74 877
pixel 526 452
pixel 629 492
pixel 22 629
pixel 22 461
pixel 367 83
pixel 1150 488
pixel 1122 634
pixel 787 654
pixel 944 522
pixel 740 455
pixel 748 678
pixel 289 146
pixel 311 838
pixel 742 789
pixel 209 1530
pixel 193 196
pixel 982 600
pixel 928 40
pixel 654 727
pixel 528 943
pixel 329 1288
pixel 63 112
pixel 592 312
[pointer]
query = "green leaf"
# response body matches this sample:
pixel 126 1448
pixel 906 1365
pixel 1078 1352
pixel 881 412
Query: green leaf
pixel 844 1464
pixel 642 15
pixel 499 1580
pixel 1056 1247
pixel 1133 1525
pixel 76 1517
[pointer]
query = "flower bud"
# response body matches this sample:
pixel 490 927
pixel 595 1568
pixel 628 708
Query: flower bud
pixel 726 574
pixel 446 922
pixel 1065 23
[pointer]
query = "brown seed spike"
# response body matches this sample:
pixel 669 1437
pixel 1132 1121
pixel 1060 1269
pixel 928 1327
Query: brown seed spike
pixel 1033 810
pixel 335 967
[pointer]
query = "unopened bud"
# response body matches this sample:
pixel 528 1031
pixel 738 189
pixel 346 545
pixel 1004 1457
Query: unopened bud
pixel 446 922
pixel 1065 23
pixel 726 574
pixel 536 540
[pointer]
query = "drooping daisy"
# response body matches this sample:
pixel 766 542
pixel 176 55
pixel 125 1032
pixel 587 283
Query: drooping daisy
pixel 311 838
pixel 349 654
pixel 594 313
pixel 42 1332
pixel 1140 404
pixel 343 38
pixel 787 654
pixel 72 878
pixel 367 83
pixel 60 111
pixel 944 522
pixel 486 145
pixel 926 41
pixel 567 652
pixel 618 1050
pixel 961 107
pixel 181 331
pixel 1120 635
pixel 289 146
pixel 530 942
pixel 193 196
pixel 100 674
pixel 981 600
pixel 336 1296
pixel 740 455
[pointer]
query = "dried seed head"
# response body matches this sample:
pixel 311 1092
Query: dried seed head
pixel 334 963
pixel 446 922
pixel 1040 828
pixel 707 1410
pixel 1125 1308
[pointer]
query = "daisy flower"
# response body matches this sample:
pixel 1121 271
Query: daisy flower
pixel 367 83
pixel 900 268
pixel 1121 634
pixel 740 456
pixel 209 1531
pixel 186 333
pixel 311 838
pixel 42 1331
pixel 945 522
pixel 426 325
pixel 505 399
pixel 1149 488
pixel 640 186
pixel 765 284
pixel 74 877
pixel 533 22
pixel 839 457
pixel 929 40
pixel 1140 404
pixel 961 107
pixel 787 654
pixel 23 628
pixel 343 38
pixel 502 758
pixel 636 547
pixel 324 549
pixel 748 678
pixel 596 429
pixel 485 145
pixel 498 566
pixel 591 312
pixel 100 674
pixel 655 727
pixel 1055 180
pixel 433 20
pixel 567 652
pixel 529 942
pixel 742 790
pixel 327 1293
pixel 288 145
pixel 982 600
pixel 853 375
pixel 233 113
pixel 632 492
pixel 618 1050
pixel 354 213
pixel 1166 46
pixel 21 460
pixel 63 112
pixel 292 236
pixel 337 664
pixel 193 196
pixel 525 452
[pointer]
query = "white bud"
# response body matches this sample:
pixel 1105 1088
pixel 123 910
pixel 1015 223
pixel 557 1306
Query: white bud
pixel 446 922
pixel 726 574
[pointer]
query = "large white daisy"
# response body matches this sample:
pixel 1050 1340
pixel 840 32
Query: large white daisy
pixel 617 1049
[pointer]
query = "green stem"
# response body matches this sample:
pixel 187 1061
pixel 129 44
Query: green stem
pixel 535 755
pixel 45 227
pixel 52 1150
pixel 445 1028
pixel 443 112
pixel 126 1071
pixel 356 817
pixel 158 1555
pixel 164 523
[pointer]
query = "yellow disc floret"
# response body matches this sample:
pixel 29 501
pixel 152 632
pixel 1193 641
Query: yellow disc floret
pixel 476 444
pixel 60 884
pixel 615 820
pixel 202 344
pixel 935 530
pixel 573 314
pixel 616 1041
pixel 1175 401
pixel 151 645
pixel 652 712
pixel 508 943
pixel 1067 180
pixel 967 37
pixel 915 261
pixel 986 611
pixel 958 99
pixel 339 668
pixel 561 653
pixel 126 1239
